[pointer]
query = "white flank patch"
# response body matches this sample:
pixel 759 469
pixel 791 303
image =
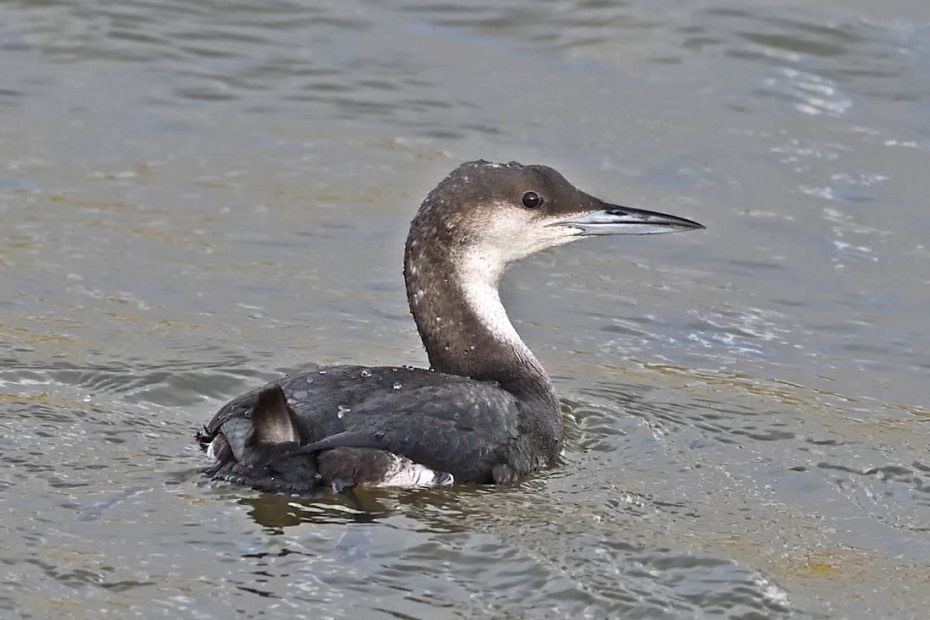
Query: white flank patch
pixel 405 473
pixel 211 453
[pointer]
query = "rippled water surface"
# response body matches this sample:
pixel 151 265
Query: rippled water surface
pixel 195 196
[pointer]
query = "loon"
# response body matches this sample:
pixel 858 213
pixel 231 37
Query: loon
pixel 485 411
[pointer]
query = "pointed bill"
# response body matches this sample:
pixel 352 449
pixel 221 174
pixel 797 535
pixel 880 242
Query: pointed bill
pixel 617 220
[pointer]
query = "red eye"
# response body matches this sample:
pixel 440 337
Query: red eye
pixel 532 200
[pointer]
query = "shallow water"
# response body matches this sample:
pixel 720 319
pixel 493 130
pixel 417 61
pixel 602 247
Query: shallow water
pixel 195 197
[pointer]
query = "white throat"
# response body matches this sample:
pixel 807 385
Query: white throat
pixel 503 240
pixel 478 278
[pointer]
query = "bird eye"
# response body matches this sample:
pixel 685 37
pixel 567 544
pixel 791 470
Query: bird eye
pixel 532 200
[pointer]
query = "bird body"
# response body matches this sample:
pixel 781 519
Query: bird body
pixel 485 411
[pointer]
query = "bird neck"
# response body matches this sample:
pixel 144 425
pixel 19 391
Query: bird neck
pixel 465 329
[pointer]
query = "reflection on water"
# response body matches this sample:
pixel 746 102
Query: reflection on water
pixel 195 197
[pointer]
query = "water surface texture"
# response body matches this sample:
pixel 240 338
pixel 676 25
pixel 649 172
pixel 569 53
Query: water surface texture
pixel 195 196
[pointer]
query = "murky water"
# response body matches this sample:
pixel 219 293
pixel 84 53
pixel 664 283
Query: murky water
pixel 196 196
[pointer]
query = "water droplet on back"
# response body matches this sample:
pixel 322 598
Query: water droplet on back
pixel 397 386
pixel 365 373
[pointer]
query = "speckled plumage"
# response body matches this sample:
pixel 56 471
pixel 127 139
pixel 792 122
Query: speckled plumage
pixel 487 411
pixel 448 423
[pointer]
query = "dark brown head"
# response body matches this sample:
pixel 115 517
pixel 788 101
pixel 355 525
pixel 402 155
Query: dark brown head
pixel 492 214
pixel 479 219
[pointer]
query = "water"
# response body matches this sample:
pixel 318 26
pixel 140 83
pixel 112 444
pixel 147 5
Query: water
pixel 195 197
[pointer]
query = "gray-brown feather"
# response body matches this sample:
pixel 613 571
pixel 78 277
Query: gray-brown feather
pixel 447 423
